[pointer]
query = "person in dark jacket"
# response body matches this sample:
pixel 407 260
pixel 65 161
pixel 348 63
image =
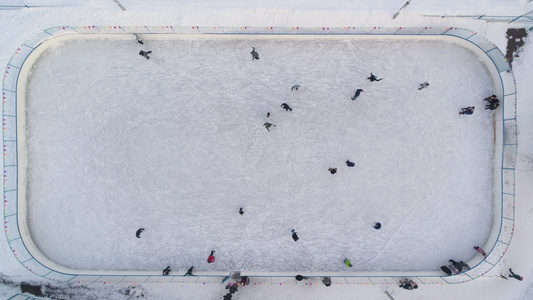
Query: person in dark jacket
pixel 350 164
pixel 255 55
pixel 286 107
pixel 300 277
pixel 515 276
pixel 357 93
pixel 373 78
pixel 492 99
pixel 467 110
pixel 408 284
pixel 377 226
pixel 295 87
pixel 145 54
pixel 326 281
pixel 480 250
pixel 423 85
pixel 332 170
pixel 446 270
pixel 457 267
pixel 241 211
pixel 294 235
pixel 189 272
pixel 211 258
pixel 138 233
pixel 492 106
pixel 166 271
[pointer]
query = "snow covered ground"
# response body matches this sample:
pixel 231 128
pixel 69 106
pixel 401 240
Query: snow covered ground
pixel 21 24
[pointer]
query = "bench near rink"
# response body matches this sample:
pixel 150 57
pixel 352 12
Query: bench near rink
pixel 15 205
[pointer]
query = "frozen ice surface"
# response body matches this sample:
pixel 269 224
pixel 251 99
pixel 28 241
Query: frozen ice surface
pixel 176 145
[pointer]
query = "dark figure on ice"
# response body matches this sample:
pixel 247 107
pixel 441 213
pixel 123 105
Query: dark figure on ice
pixel 241 211
pixel 300 277
pixel 350 164
pixel 295 87
pixel 446 270
pixel 377 226
pixel 332 170
pixel 467 110
pixel 166 271
pixel 138 233
pixel 268 125
pixel 357 93
pixel 255 55
pixel 189 272
pixel 492 99
pixel 492 106
pixel 211 258
pixel 408 284
pixel 294 235
pixel 244 281
pixel 480 250
pixel 138 39
pixel 268 114
pixel 455 266
pixel 145 54
pixel 373 78
pixel 464 265
pixel 286 107
pixel 347 262
pixel 515 276
pixel 423 85
pixel 326 281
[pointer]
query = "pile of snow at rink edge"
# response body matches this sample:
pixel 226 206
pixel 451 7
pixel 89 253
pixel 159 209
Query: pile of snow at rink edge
pixel 176 144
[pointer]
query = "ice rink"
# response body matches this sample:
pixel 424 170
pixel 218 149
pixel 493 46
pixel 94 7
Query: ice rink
pixel 176 145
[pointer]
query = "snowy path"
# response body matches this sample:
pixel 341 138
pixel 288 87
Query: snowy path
pixel 176 145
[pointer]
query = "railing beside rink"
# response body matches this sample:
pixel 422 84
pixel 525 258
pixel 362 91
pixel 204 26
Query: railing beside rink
pixel 16 229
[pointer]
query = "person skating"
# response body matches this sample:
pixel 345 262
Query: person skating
pixel 347 262
pixel 357 93
pixel 408 284
pixel 268 114
pixel 455 266
pixel 332 170
pixel 268 125
pixel 211 258
pixel 377 226
pixel 138 233
pixel 423 85
pixel 515 276
pixel 138 39
pixel 166 271
pixel 326 281
pixel 480 250
pixel 300 277
pixel 145 54
pixel 294 235
pixel 350 164
pixel 189 272
pixel 492 99
pixel 295 87
pixel 492 106
pixel 464 265
pixel 467 110
pixel 286 107
pixel 255 55
pixel 373 78
pixel 241 211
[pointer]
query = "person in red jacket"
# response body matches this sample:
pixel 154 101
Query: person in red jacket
pixel 211 258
